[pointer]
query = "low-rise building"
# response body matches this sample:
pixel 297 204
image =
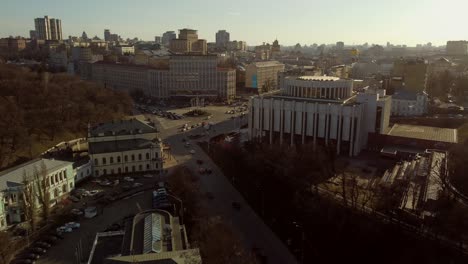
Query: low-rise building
pixel 57 175
pixel 153 236
pixel 124 146
pixel 457 48
pixel 13 44
pixel 408 103
pixel 260 74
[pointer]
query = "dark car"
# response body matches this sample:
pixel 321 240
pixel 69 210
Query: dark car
pixel 236 205
pixel 43 244
pixel 27 256
pixel 37 250
pixel 23 261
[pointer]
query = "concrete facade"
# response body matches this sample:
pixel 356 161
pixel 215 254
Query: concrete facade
pixel 48 28
pixel 258 73
pixel 295 117
pixel 124 146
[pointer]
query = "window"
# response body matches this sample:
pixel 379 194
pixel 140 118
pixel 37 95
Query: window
pixel 133 157
pixel 104 161
pixel 111 160
pixel 64 188
pixel 125 158
pixel 157 166
pixel 56 178
pixel 156 154
pixel 147 166
pixel 96 173
pixel 71 185
pixel 139 156
pixel 112 171
pixel 118 159
pixel 119 170
pixel 140 168
pixel 147 156
pixel 96 162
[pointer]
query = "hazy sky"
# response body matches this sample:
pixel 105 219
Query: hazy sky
pixel 255 21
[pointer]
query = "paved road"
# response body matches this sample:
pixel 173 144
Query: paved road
pixel 253 230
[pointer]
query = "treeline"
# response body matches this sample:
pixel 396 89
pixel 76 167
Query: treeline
pixel 39 109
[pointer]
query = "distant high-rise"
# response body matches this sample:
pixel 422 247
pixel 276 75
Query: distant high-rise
pixel 48 29
pixel 340 45
pixel 167 37
pixel 107 35
pixel 222 38
pixel 157 39
pixel 188 34
pixel 84 36
pixel 32 34
pixel 457 48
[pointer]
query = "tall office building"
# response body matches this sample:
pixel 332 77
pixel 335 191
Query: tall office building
pixel 157 39
pixel 222 38
pixel 167 37
pixel 107 35
pixel 48 29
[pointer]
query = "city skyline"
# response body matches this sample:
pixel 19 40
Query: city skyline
pixel 304 22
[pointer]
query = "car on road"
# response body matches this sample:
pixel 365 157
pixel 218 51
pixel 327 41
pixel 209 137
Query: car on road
pixel 73 225
pixel 192 151
pixel 37 250
pixel 93 192
pixel 76 211
pixel 27 256
pixel 137 184
pixel 64 229
pixel 23 261
pixel 236 205
pixel 43 244
pixel 129 179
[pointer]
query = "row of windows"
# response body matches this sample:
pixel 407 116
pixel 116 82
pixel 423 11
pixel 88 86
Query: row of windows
pixel 126 170
pixel 132 157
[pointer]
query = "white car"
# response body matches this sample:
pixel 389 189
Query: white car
pixel 137 184
pixel 192 151
pixel 73 225
pixel 129 179
pixel 64 229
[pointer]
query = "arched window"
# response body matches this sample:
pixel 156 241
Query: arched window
pixel 133 157
pixel 147 156
pixel 71 185
pixel 104 172
pixel 104 161
pixel 118 159
pixel 96 162
pixel 125 158
pixel 147 166
pixel 139 156
pixel 64 188
pixel 111 160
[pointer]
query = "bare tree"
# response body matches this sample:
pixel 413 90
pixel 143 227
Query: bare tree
pixel 42 190
pixel 29 202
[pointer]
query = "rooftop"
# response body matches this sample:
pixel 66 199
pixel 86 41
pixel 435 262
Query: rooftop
pixel 447 135
pixel 13 177
pixel 122 127
pixel 267 63
pixel 119 145
pixel 318 78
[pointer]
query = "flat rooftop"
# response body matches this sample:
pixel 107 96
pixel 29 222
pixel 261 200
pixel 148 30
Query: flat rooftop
pixel 319 78
pixel 107 246
pixel 447 135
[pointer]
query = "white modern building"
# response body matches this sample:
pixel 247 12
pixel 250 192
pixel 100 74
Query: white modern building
pixel 319 110
pixel 59 180
pixel 408 103
pixel 124 146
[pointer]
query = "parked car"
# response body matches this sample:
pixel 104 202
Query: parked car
pixel 37 250
pixel 147 176
pixel 236 205
pixel 129 179
pixel 94 192
pixel 73 225
pixel 27 256
pixel 137 184
pixel 43 244
pixel 64 229
pixel 76 211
